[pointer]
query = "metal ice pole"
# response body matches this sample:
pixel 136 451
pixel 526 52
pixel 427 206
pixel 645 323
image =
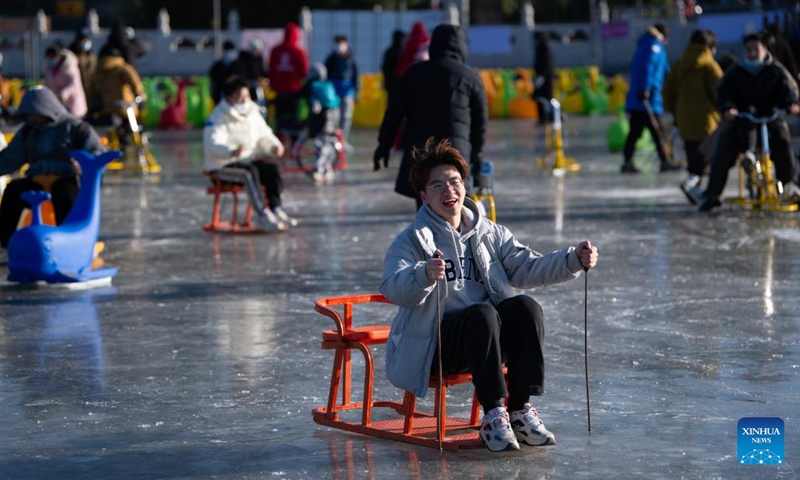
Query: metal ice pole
pixel 586 343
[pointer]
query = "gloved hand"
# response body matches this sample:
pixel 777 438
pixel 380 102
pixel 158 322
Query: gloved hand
pixel 644 95
pixel 380 153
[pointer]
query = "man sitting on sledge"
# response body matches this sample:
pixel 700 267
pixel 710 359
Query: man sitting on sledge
pixel 483 324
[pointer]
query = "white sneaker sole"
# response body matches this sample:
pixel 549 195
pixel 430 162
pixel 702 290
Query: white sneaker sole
pixel 532 440
pixel 499 446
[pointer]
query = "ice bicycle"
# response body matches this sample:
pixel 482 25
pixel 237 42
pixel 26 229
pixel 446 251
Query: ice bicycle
pixel 554 157
pixel 758 187
pixel 127 135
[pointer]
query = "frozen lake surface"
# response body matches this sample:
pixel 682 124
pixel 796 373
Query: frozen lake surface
pixel 203 360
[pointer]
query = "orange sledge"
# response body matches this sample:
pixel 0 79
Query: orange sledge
pixel 234 225
pixel 404 422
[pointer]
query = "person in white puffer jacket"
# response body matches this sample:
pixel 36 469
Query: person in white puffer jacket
pixel 235 139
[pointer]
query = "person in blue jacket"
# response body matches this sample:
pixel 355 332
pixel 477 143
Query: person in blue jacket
pixel 323 119
pixel 343 73
pixel 644 103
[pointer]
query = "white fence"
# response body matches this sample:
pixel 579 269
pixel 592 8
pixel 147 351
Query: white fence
pixel 370 34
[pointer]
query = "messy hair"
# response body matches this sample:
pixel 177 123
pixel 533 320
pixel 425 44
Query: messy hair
pixel 431 156
pixel 753 37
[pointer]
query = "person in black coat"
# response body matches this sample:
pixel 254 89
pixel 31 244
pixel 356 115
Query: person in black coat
pixel 390 57
pixel 758 85
pixel 251 68
pixel 223 69
pixel 124 39
pixel 544 68
pixel 441 98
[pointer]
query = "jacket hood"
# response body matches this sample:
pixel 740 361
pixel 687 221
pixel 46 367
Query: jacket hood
pixel 41 100
pixel 648 38
pixel 448 41
pixel 418 34
pixel 653 32
pixel 291 34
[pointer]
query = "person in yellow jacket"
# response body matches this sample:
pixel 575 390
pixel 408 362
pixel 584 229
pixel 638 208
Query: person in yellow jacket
pixel 115 85
pixel 690 96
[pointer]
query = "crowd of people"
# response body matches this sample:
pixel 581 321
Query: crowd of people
pixel 705 97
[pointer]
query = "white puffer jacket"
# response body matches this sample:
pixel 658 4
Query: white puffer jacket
pixel 226 129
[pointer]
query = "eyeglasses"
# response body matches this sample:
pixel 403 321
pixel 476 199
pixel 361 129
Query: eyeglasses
pixel 438 187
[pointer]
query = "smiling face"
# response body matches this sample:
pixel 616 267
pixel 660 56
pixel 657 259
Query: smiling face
pixel 444 193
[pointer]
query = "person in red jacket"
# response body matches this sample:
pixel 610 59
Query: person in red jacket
pixel 288 67
pixel 415 49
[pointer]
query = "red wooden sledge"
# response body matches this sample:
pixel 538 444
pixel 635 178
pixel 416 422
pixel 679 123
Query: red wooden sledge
pixel 409 425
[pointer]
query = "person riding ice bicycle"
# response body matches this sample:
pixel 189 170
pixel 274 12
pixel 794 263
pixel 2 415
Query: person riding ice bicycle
pixel 115 88
pixel 760 86
pixel 115 82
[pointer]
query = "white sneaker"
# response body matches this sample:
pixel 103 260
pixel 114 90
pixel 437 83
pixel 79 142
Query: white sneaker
pixel 529 429
pixel 691 188
pixel 283 217
pixel 791 192
pixel 330 176
pixel 496 431
pixel 319 178
pixel 268 222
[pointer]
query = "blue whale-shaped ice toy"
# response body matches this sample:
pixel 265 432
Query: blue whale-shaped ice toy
pixel 62 254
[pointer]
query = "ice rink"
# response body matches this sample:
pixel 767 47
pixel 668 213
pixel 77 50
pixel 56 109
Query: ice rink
pixel 203 359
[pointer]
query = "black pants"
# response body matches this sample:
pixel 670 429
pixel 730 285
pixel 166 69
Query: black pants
pixel 740 135
pixel 479 338
pixel 546 110
pixel 638 122
pixel 63 191
pixel 267 174
pixel 287 114
pixel 697 162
